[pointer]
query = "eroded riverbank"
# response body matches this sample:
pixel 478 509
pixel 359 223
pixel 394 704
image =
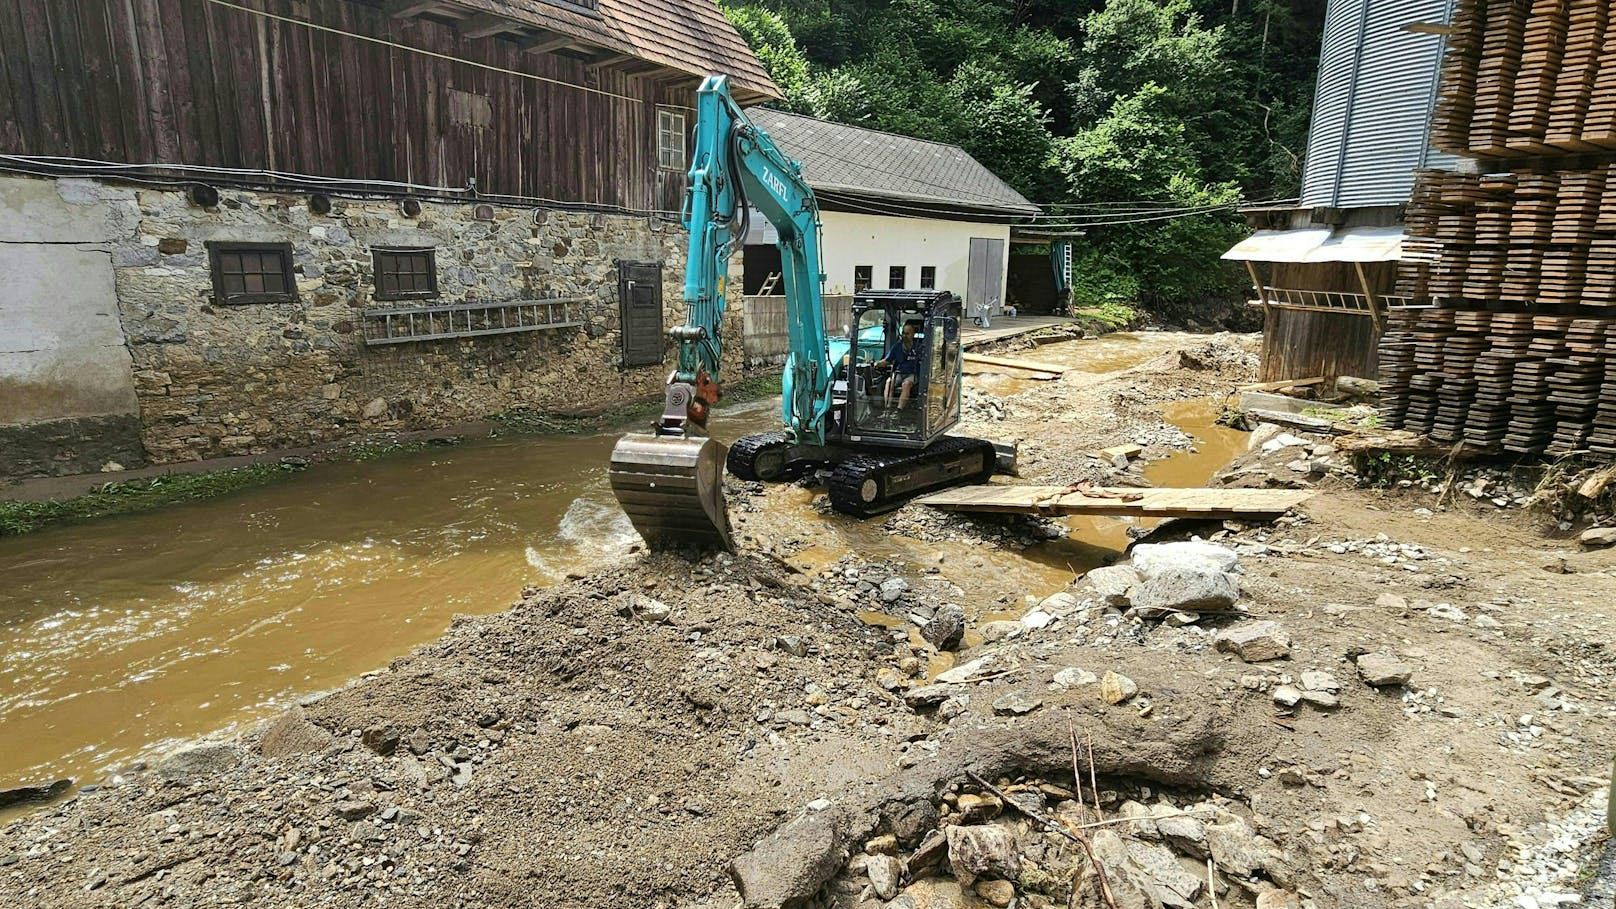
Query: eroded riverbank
pixel 123 636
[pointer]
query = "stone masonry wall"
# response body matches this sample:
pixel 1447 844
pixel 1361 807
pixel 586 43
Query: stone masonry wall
pixel 215 380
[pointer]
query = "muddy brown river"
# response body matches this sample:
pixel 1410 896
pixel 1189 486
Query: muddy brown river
pixel 121 636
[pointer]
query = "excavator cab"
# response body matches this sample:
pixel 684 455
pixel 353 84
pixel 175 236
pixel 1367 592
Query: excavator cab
pixel 874 408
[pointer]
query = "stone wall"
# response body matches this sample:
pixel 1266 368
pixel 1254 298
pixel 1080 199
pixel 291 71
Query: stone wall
pixel 215 380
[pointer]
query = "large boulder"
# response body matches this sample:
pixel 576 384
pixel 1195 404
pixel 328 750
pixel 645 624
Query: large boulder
pixel 788 867
pixel 1181 590
pixel 1151 559
pixel 946 629
pixel 1113 584
pixel 198 762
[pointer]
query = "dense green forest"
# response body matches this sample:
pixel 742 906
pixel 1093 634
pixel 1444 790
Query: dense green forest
pixel 1139 122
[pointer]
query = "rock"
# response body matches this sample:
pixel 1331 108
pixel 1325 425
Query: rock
pixel 1595 537
pixel 885 872
pixel 1140 823
pixel 1238 850
pixel 1287 695
pixel 913 821
pixel 998 893
pixel 890 678
pixel 929 697
pixel 930 854
pixel 292 733
pixel 892 589
pixel 1264 434
pixel 964 672
pixel 1037 619
pixel 1113 583
pixel 375 408
pixel 1016 704
pixel 885 844
pixel 1116 688
pixel 383 740
pixel 792 645
pixel 32 795
pixel 1486 621
pixel 1313 680
pixel 1278 899
pixel 1181 590
pixel 946 628
pixel 1448 612
pixel 1150 559
pixel 976 808
pixel 1283 440
pixel 651 610
pixel 1073 677
pixel 1254 642
pixel 196 762
pixel 1000 631
pixel 1059 604
pixel 1173 885
pixel 1129 885
pixel 786 869
pixel 979 850
pixel 1391 601
pixel 794 717
pixel 1185 833
pixel 933 894
pixel 353 810
pixel 1324 699
pixel 1383 669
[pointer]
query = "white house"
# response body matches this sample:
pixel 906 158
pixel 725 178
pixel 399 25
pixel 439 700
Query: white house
pixel 897 212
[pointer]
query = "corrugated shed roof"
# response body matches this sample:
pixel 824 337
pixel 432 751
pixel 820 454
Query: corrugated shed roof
pixel 688 35
pixel 865 162
pixel 1321 244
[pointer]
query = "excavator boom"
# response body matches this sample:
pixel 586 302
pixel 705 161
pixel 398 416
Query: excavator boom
pixel 670 480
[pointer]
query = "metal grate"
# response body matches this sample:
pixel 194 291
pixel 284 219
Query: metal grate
pixel 398 325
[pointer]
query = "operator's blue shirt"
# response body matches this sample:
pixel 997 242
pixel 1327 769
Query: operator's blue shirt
pixel 905 361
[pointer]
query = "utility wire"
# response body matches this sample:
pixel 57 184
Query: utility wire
pixel 426 53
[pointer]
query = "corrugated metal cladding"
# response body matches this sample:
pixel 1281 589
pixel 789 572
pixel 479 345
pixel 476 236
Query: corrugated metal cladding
pixel 1372 108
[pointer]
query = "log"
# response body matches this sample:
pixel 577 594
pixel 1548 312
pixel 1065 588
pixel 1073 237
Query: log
pixel 1301 422
pixel 1284 384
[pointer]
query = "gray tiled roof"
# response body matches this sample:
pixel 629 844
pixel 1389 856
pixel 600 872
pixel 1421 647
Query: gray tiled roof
pixel 864 162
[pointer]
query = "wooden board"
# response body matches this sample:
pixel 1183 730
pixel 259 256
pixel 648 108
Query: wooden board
pixel 1029 365
pixel 1238 504
pixel 977 369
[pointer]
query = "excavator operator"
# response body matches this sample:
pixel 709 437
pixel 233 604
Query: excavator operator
pixel 904 358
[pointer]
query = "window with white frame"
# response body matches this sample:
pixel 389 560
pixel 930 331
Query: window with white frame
pixel 671 139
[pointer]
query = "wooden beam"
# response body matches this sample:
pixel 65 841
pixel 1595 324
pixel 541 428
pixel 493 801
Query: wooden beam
pixel 1256 282
pixel 484 24
pixel 1029 365
pixel 406 9
pixel 611 60
pixel 550 42
pixel 1369 295
pixel 1239 504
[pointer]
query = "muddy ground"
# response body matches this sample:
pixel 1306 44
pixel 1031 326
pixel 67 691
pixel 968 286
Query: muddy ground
pixel 619 740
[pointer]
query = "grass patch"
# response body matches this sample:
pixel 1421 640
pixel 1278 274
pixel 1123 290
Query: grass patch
pixel 1384 470
pixel 137 495
pixel 1110 315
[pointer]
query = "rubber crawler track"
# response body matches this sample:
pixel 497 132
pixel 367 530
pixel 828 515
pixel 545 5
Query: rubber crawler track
pixel 846 480
pixel 742 459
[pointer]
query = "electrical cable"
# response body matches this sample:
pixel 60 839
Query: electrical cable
pixel 426 53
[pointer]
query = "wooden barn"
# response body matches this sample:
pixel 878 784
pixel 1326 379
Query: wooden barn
pixel 241 225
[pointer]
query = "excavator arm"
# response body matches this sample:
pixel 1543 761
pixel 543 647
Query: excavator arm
pixel 670 481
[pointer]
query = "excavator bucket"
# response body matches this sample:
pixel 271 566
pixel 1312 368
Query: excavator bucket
pixel 673 490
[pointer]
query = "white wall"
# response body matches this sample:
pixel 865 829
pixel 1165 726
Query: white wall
pixel 880 241
pixel 62 352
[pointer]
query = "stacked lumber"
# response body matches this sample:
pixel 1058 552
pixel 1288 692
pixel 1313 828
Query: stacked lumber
pixel 1527 77
pixel 1519 382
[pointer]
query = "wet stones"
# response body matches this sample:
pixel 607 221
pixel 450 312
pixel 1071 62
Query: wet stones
pixel 1382 669
pixel 982 850
pixel 30 795
pixel 1254 642
pixel 946 628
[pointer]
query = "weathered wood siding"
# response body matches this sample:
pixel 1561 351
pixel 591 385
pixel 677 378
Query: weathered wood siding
pixel 1299 344
pixel 191 82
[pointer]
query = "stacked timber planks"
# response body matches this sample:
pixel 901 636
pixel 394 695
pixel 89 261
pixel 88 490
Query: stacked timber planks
pixel 1527 78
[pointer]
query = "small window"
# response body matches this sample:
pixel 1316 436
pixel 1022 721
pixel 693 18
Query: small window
pixel 896 275
pixel 251 272
pixel 863 277
pixel 928 277
pixel 405 274
pixel 670 144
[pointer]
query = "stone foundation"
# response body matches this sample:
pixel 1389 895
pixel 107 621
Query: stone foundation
pixel 216 380
pixel 77 445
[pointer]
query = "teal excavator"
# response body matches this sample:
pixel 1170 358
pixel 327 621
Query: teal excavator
pixel 869 409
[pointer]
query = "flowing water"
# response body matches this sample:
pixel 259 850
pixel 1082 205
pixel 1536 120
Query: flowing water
pixel 121 636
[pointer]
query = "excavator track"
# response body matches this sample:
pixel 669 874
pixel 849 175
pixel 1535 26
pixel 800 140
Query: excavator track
pixel 672 489
pixel 764 457
pixel 870 483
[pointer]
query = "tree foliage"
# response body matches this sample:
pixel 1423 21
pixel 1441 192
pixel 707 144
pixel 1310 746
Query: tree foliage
pixel 1168 109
